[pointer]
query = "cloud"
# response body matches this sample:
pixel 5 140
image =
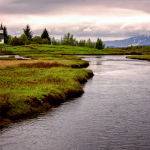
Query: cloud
pixel 88 18
pixel 59 6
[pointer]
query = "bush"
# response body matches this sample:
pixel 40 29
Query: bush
pixel 16 41
pixel 45 41
pixel 24 39
pixel 37 40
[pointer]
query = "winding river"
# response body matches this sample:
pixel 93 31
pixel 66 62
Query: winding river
pixel 113 114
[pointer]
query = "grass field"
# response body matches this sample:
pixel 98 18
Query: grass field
pixel 50 51
pixel 52 76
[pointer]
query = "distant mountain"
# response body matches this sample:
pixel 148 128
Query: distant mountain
pixel 135 41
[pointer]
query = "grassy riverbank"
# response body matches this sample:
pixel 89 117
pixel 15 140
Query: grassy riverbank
pixel 140 57
pixel 28 87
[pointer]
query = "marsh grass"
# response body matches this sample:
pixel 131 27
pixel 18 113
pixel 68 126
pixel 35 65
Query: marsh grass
pixel 31 87
pixel 51 77
pixel 140 57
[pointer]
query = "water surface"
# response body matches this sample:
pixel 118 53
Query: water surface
pixel 113 114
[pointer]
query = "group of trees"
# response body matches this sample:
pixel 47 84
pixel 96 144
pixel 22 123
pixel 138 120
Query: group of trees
pixel 68 39
pixel 28 38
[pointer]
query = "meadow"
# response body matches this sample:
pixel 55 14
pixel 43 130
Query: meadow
pixel 48 51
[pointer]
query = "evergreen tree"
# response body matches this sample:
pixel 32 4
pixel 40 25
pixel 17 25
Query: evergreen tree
pixel 82 43
pixel 28 32
pixel 68 39
pixel 99 44
pixel 90 44
pixel 45 35
pixel 24 39
pixel 54 41
pixel 9 39
pixel 1 27
pixel 6 37
pixel 37 40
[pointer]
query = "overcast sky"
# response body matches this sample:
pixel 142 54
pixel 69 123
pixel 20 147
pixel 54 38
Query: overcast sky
pixel 108 19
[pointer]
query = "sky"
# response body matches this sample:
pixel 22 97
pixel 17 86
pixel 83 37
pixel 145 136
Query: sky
pixel 106 19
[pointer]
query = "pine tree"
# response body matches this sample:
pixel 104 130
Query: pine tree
pixel 82 43
pixel 69 39
pixel 1 27
pixel 45 35
pixel 6 37
pixel 99 44
pixel 28 32
pixel 24 39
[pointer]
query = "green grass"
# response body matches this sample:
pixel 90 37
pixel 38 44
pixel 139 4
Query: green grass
pixel 51 51
pixel 21 85
pixel 28 87
pixel 140 57
pixel 52 76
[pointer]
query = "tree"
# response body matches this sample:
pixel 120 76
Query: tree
pixel 45 35
pixel 16 41
pixel 54 41
pixel 99 44
pixel 24 39
pixel 28 32
pixel 5 35
pixel 82 43
pixel 90 44
pixel 9 40
pixel 68 39
pixel 37 40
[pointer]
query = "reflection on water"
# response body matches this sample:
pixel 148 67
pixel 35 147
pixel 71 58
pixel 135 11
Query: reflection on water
pixel 113 114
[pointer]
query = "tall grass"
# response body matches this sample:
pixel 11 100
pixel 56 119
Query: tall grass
pixel 32 87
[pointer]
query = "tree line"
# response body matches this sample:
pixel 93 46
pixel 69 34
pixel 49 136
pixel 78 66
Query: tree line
pixel 68 39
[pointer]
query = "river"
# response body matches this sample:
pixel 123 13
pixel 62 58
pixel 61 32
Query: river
pixel 113 113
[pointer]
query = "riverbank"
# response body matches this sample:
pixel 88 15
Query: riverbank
pixel 140 57
pixel 114 109
pixel 28 87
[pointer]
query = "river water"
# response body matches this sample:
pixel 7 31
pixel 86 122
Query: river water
pixel 113 114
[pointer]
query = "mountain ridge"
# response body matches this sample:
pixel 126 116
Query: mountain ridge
pixel 142 40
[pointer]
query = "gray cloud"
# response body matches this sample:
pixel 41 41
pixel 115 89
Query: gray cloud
pixel 83 7
pixel 59 6
pixel 89 31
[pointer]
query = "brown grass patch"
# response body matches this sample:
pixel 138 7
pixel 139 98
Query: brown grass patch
pixel 41 65
pixel 28 63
